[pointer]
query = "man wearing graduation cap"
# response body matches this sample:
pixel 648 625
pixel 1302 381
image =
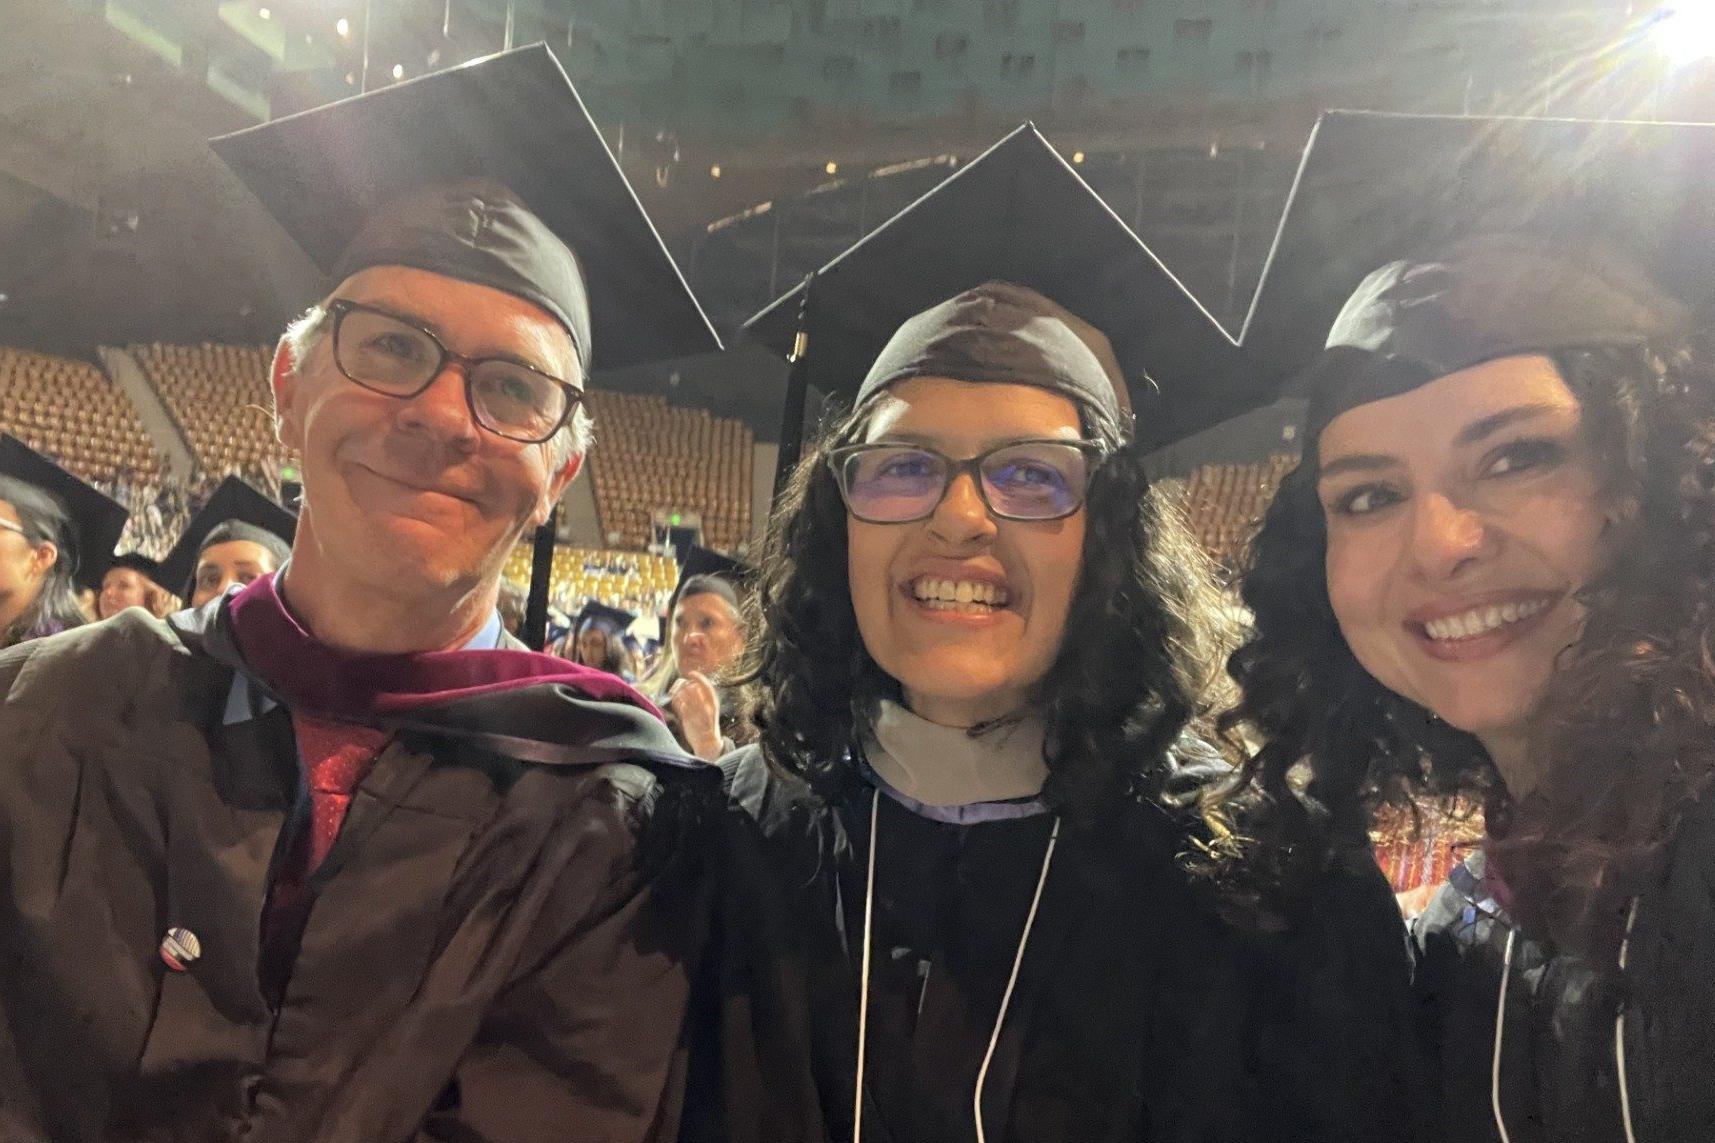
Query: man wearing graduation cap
pixel 330 858
pixel 983 640
pixel 57 534
pixel 238 536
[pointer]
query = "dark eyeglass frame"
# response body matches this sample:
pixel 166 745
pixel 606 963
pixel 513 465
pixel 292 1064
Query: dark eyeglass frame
pixel 1095 450
pixel 338 308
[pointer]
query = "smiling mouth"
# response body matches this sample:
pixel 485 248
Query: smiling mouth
pixel 968 596
pixel 1485 620
pixel 417 488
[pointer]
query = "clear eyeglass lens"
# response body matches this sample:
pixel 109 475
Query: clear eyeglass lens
pixel 516 400
pixel 1036 481
pixel 384 352
pixel 894 484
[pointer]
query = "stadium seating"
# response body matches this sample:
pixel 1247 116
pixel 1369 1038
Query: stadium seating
pixel 219 395
pixel 633 580
pixel 71 411
pixel 1418 847
pixel 1224 503
pixel 652 456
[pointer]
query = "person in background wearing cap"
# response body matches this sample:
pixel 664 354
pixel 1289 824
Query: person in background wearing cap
pixel 38 587
pixel 235 553
pixel 332 858
pixel 984 638
pixel 237 537
pixel 130 582
pixel 1491 573
pixel 597 639
pixel 706 635
pixel 57 535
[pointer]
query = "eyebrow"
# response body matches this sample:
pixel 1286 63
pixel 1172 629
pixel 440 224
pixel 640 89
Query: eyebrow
pixel 1494 422
pixel 926 440
pixel 1471 434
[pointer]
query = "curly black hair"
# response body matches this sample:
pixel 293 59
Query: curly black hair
pixel 1622 735
pixel 1141 649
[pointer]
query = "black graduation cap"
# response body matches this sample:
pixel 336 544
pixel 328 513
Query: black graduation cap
pixel 137 562
pixel 94 519
pixel 511 120
pixel 701 561
pixel 1596 197
pixel 233 502
pixel 1018 213
pixel 611 619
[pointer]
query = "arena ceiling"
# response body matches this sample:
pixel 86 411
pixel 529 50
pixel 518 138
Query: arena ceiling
pixel 119 226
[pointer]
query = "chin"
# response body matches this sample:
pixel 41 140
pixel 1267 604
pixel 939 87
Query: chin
pixel 1481 712
pixel 395 562
pixel 958 678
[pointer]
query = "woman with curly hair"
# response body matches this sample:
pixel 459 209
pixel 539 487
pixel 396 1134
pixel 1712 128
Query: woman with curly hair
pixel 1491 574
pixel 982 638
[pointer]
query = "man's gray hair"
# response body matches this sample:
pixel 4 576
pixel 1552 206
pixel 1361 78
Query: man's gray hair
pixel 300 339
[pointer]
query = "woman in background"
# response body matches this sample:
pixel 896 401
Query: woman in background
pixel 129 582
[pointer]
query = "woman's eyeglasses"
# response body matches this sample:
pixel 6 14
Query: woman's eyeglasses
pixel 1020 480
pixel 389 355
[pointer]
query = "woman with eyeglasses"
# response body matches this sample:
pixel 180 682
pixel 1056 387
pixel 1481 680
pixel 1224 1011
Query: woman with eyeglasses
pixel 982 637
pixel 57 535
pixel 38 594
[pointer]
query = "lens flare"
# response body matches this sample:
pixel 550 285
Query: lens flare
pixel 1685 32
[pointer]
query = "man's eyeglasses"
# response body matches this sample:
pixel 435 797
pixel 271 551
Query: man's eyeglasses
pixel 387 354
pixel 1021 480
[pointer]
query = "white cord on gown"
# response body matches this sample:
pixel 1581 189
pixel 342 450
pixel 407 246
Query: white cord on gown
pixel 1500 1035
pixel 863 972
pixel 1620 1031
pixel 1006 997
pixel 1619 1036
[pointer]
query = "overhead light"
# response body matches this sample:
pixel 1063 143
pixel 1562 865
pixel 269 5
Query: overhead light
pixel 398 71
pixel 1077 156
pixel 1685 32
pixel 832 168
pixel 343 27
pixel 265 13
pixel 715 171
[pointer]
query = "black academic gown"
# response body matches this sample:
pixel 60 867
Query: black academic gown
pixel 1137 1016
pixel 501 946
pixel 1559 1069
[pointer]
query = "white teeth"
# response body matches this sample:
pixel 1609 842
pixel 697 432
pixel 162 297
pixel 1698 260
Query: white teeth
pixel 1482 620
pixel 962 595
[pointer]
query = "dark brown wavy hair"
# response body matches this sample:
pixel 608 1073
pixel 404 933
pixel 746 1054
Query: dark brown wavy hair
pixel 1623 735
pixel 1142 646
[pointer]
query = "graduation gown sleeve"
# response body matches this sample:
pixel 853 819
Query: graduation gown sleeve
pixel 585 1041
pixel 499 950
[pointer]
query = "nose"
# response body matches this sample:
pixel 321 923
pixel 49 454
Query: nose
pixel 1445 537
pixel 442 411
pixel 962 518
